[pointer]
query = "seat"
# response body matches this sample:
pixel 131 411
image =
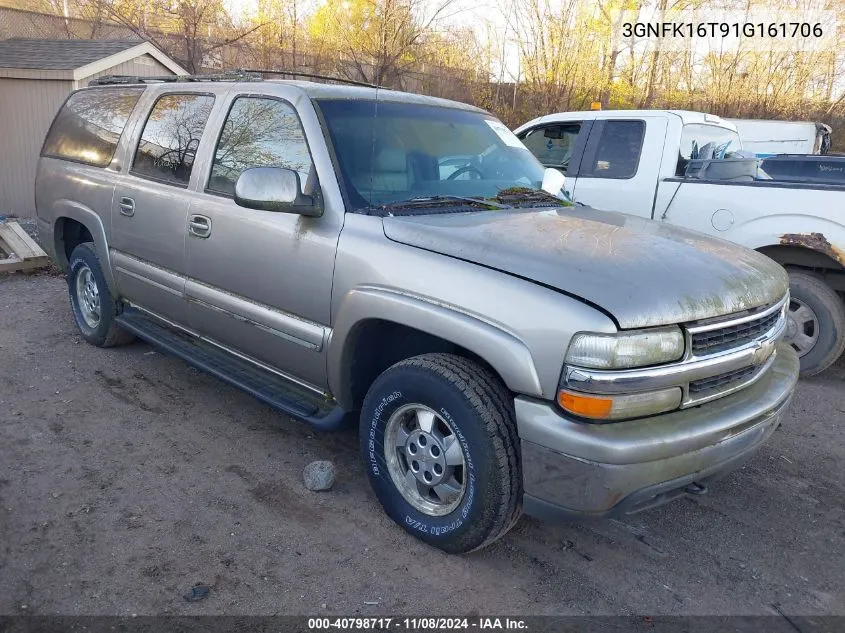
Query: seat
pixel 390 171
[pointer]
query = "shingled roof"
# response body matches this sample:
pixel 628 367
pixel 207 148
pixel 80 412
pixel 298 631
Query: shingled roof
pixel 58 54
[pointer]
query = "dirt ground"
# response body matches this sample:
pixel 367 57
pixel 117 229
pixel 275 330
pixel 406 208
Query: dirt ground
pixel 127 477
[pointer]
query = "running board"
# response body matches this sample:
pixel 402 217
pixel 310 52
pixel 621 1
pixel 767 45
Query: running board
pixel 283 395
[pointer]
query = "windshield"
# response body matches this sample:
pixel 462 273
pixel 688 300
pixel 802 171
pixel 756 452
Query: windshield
pixel 389 153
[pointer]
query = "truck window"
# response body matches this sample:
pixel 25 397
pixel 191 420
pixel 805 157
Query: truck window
pixel 553 144
pixel 171 136
pixel 88 127
pixel 702 141
pixel 617 153
pixel 259 132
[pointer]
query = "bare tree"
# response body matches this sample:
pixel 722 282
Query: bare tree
pixel 187 29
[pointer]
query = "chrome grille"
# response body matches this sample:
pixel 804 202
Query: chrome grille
pixel 721 380
pixel 713 341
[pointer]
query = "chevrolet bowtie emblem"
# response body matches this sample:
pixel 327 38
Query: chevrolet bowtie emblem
pixel 762 352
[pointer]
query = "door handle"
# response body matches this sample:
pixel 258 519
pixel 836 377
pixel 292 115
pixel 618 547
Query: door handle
pixel 199 226
pixel 127 207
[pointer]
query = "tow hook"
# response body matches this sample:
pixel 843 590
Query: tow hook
pixel 696 488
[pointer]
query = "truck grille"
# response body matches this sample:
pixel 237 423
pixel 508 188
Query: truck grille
pixel 721 381
pixel 730 336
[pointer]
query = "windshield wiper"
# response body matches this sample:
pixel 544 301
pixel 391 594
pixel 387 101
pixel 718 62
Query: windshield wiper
pixel 431 202
pixel 527 195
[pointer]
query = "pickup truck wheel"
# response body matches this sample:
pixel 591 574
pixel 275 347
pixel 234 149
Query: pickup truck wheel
pixel 92 304
pixel 815 322
pixel 438 435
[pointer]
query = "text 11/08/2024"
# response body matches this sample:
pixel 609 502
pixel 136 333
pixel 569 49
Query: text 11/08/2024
pixel 416 624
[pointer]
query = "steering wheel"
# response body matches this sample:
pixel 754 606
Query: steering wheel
pixel 465 170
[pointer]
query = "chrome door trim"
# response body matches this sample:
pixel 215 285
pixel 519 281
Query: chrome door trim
pixel 283 324
pixel 143 270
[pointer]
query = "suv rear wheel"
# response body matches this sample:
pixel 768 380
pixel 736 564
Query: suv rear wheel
pixel 93 306
pixel 439 439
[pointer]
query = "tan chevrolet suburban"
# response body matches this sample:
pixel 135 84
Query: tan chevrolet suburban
pixel 352 255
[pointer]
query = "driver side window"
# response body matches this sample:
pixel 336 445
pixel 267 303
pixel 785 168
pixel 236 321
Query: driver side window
pixel 553 144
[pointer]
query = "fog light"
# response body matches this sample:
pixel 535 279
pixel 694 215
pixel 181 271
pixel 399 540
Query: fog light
pixel 631 405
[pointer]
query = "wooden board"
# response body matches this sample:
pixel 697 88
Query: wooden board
pixel 21 250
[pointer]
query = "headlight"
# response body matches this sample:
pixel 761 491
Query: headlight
pixel 635 348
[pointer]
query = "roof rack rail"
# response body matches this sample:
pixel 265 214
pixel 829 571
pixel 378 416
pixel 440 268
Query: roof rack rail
pixel 237 74
pixel 229 75
pixel 291 73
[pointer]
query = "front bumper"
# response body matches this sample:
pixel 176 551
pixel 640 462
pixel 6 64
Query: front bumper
pixel 576 470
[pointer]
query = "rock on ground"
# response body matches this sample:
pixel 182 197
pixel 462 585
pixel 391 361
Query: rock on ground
pixel 319 475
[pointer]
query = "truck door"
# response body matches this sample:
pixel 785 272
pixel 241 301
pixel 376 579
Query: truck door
pixel 150 205
pixel 620 167
pixel 259 282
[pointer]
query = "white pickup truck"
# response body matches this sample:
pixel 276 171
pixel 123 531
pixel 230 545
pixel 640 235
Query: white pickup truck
pixel 682 168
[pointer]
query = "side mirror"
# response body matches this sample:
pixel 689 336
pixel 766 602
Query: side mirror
pixel 275 189
pixel 553 181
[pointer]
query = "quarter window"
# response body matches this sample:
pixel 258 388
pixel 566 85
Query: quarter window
pixel 260 132
pixel 618 151
pixel 89 125
pixel 171 137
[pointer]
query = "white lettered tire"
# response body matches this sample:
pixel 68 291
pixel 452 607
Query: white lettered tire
pixel 440 445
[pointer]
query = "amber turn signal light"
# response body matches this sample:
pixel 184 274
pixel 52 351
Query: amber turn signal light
pixel 585 405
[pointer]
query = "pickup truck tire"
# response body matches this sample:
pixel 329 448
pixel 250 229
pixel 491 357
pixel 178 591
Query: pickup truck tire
pixel 92 304
pixel 447 421
pixel 809 291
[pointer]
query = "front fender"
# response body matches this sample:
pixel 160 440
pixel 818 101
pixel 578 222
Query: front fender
pixel 503 350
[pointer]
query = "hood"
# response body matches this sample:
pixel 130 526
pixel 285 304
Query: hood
pixel 642 272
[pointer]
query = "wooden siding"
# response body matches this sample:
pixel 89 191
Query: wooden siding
pixel 27 108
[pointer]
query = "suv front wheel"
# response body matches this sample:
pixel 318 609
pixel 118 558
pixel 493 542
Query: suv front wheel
pixel 93 306
pixel 439 440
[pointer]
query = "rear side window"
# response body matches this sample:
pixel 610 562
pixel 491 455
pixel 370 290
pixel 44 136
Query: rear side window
pixel 617 152
pixel 89 125
pixel 171 137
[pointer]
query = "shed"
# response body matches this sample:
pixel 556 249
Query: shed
pixel 36 76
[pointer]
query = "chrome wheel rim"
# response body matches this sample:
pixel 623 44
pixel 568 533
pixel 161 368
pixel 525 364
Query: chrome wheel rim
pixel 88 296
pixel 425 460
pixel 802 327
